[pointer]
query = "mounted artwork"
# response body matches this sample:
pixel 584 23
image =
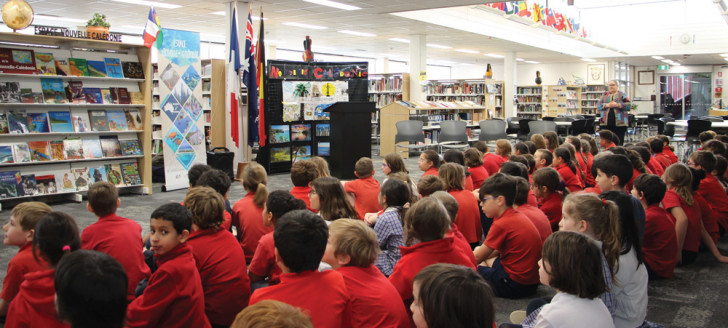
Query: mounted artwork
pixel 595 74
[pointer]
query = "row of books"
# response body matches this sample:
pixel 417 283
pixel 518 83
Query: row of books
pixel 27 61
pixel 455 88
pixel 439 104
pixel 393 83
pixel 17 184
pixel 69 149
pixel 20 121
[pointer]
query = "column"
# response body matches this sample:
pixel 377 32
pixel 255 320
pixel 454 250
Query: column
pixel 270 51
pixel 509 84
pixel 417 65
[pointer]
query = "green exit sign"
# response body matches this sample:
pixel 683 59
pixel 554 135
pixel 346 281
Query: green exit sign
pixel 663 67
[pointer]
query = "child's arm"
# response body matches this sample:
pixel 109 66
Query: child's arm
pixel 371 218
pixel 4 307
pixel 681 228
pixel 708 242
pixel 254 277
pixel 483 252
pixel 149 308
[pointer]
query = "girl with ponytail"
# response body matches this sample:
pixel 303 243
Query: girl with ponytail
pixel 394 198
pixel 549 190
pixel 564 164
pixel 248 211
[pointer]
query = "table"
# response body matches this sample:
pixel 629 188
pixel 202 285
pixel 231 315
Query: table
pixel 684 124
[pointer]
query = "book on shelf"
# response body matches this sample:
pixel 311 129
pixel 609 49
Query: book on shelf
pixel 38 123
pixel 93 95
pixel 113 68
pixel 29 188
pixel 53 92
pixel 132 70
pixel 130 172
pixel 130 147
pixel 6 154
pixel 157 145
pixel 114 95
pixel 62 68
pixel 17 61
pixel 116 120
pixel 9 184
pixel 57 151
pixel 133 119
pixel 80 177
pixel 113 174
pixel 18 121
pixel 40 151
pixel 106 97
pixel 96 174
pixel 73 148
pixel 74 92
pixel 4 123
pixel 27 96
pixel 60 121
pixel 10 92
pixel 136 98
pixel 124 96
pixel 66 182
pixel 92 148
pixel 78 67
pixel 46 184
pixel 80 120
pixel 45 63
pixel 110 146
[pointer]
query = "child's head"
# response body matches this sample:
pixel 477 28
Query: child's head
pixel 649 188
pixel 55 235
pixel 606 138
pixel 169 225
pixel 721 137
pixel 401 176
pixel 91 290
pixel 196 171
pixel 572 263
pixel 593 147
pixel 644 153
pixel 329 197
pixel 522 188
pixel 613 171
pixel 514 169
pixel 207 207
pixel 429 184
pixel 698 174
pixel 255 180
pixel 393 163
pixel 531 147
pixel 216 179
pixel 574 141
pixel 394 193
pixel 679 178
pixel 543 158
pixel 453 156
pixel 448 295
pixel 103 198
pixel 450 203
pixel 552 139
pixel 351 243
pixel 426 220
pixel 271 314
pixel 518 159
pixel 706 135
pixel 538 140
pixel 24 217
pixel 702 160
pixel 585 146
pixel 473 157
pixel 561 156
pixel 636 160
pixel 303 172
pixel 629 234
pixel 665 139
pixel 531 163
pixel 497 194
pixel 364 167
pixel 481 146
pixel 279 203
pixel 546 180
pixel 716 147
pixel 503 147
pixel 656 146
pixel 721 164
pixel 300 240
pixel 322 166
pixel 452 175
pixel 428 159
pixel 520 148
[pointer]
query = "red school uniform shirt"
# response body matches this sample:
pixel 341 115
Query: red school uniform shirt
pixel 538 218
pixel 571 180
pixel 492 162
pixel 588 173
pixel 220 263
pixel 373 300
pixel 418 256
pixel 468 217
pixel 173 297
pixel 366 195
pixel 660 243
pixel 519 244
pixel 479 174
pixel 469 183
pixel 630 183
pixel 692 237
pixel 663 159
pixel 714 193
pixel 532 200
pixel 461 242
pixel 302 194
pixel 610 146
pixel 670 154
pixel 264 261
pixel 35 304
pixel 708 216
pixel 655 167
pixel 248 220
pixel 431 171
pixel 120 238
pixel 21 264
pixel 551 206
pixel 322 294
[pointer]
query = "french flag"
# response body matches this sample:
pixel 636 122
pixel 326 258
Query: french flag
pixel 151 29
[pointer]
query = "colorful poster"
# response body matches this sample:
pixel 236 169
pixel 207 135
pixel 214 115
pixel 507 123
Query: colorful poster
pixel 183 123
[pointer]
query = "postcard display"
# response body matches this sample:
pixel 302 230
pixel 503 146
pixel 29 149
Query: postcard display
pixel 180 91
pixel 70 117
pixel 297 94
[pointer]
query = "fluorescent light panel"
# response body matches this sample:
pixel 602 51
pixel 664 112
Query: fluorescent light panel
pixel 150 3
pixel 467 51
pixel 588 60
pixel 666 61
pixel 722 55
pixel 302 25
pixel 519 59
pixel 658 57
pixel 333 4
pixel 222 13
pixel 532 62
pixel 438 46
pixel 495 56
pixel 400 40
pixel 356 33
pixel 64 19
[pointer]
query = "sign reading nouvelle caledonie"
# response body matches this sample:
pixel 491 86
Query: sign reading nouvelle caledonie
pixel 62 31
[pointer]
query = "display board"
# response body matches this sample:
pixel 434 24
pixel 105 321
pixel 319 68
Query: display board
pixel 296 96
pixel 180 91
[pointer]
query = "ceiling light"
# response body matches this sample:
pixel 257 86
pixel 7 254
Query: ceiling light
pixel 666 61
pixel 400 40
pixel 519 59
pixel 65 19
pixel 438 46
pixel 313 27
pixel 222 13
pixel 722 55
pixel 658 57
pixel 532 62
pixel 333 4
pixel 356 33
pixel 467 51
pixel 495 56
pixel 675 64
pixel 588 60
pixel 150 3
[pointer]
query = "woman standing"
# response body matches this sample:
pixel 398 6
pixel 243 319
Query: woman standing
pixel 613 107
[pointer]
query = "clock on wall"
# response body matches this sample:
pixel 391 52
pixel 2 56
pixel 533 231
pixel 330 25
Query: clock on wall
pixel 685 38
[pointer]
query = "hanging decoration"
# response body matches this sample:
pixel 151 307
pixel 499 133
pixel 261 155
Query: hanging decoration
pixel 541 14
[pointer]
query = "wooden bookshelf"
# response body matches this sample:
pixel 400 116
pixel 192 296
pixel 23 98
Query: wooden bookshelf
pixel 530 101
pixel 456 90
pixel 563 100
pixel 590 96
pixel 494 98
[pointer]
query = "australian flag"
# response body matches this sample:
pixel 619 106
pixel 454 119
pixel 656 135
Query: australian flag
pixel 250 81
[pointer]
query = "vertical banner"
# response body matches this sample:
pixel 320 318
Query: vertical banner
pixel 181 92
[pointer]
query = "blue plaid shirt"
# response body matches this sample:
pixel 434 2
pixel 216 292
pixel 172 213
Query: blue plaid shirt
pixel 390 236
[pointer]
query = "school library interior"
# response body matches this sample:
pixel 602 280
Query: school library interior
pixel 515 122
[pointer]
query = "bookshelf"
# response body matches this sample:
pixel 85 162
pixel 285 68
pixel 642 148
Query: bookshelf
pixel 494 98
pixel 530 102
pixel 455 90
pixel 590 96
pixel 214 72
pixel 384 89
pixel 563 100
pixel 46 161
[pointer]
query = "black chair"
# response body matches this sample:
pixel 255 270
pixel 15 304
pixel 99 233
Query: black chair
pixel 409 131
pixel 578 127
pixel 453 135
pixel 652 122
pixel 668 129
pixel 524 133
pixel 548 118
pixel 512 126
pixel 539 127
pixel 591 126
pixel 491 130
pixel 712 118
pixel 695 127
pixel 562 130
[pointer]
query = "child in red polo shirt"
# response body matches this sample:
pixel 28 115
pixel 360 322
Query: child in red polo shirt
pixel 300 239
pixel 56 234
pixel 19 232
pixel 302 174
pixel 218 257
pixel 429 162
pixel 426 221
pixel 174 295
pixel 474 162
pixel 220 181
pixel 513 270
pixel 567 170
pixel 428 185
pixel 666 148
pixel 538 218
pixel 264 265
pixel 547 187
pixel 365 190
pixel 115 235
pixel 660 156
pixel 351 250
pixel 248 211
pixel 468 217
pixel 451 205
pixel 710 188
pixel 607 139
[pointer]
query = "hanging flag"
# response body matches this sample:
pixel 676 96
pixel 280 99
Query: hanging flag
pixel 260 59
pixel 249 79
pixel 152 30
pixel 234 81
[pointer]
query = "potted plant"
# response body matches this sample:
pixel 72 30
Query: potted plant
pixel 97 27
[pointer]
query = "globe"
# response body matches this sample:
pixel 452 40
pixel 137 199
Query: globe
pixel 17 14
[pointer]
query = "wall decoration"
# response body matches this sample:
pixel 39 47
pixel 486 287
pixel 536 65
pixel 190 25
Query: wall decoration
pixel 595 74
pixel 645 77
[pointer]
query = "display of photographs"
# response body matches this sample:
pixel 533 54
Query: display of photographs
pixel 280 154
pixel 291 112
pixel 182 92
pixel 323 130
pixel 319 113
pixel 174 139
pixel 193 107
pixel 301 132
pixel 195 136
pixel 300 153
pixel 183 122
pixel 324 148
pixel 279 134
pixel 191 77
pixel 171 107
pixel 185 154
pixel 169 76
